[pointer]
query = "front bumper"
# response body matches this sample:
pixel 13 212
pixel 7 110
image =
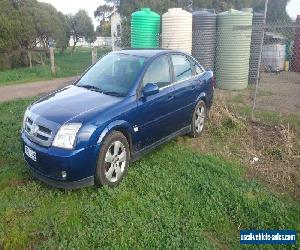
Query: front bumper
pixel 79 165
pixel 86 182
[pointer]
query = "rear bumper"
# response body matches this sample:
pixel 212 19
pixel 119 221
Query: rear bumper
pixel 79 165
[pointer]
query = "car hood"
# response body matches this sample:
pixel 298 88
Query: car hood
pixel 71 102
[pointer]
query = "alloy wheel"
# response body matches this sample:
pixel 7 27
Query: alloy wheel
pixel 200 118
pixel 115 161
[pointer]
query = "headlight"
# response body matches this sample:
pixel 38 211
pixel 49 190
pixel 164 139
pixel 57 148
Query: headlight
pixel 66 136
pixel 24 119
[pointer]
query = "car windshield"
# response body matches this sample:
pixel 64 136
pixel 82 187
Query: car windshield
pixel 114 74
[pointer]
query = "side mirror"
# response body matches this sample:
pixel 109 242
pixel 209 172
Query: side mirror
pixel 150 89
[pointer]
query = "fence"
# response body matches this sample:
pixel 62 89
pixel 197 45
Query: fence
pixel 261 61
pixel 279 83
pixel 21 57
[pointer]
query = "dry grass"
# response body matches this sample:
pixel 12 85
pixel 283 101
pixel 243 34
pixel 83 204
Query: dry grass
pixel 270 153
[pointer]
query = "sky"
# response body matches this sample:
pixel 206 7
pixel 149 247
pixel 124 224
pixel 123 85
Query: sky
pixel 72 6
pixel 293 8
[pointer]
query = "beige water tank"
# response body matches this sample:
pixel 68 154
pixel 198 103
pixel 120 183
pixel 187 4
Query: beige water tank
pixel 177 30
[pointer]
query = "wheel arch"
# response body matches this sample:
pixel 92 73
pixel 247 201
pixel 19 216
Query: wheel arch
pixel 128 136
pixel 121 126
pixel 201 97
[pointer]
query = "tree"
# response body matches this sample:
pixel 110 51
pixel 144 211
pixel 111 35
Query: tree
pixel 276 8
pixel 104 29
pixel 127 7
pixel 47 23
pixel 101 14
pixel 16 31
pixel 64 37
pixel 81 26
pixel 102 11
pixel 49 26
pixel 276 12
pixel 225 5
pixel 23 25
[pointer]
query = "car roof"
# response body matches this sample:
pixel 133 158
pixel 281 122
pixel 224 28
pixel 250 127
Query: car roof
pixel 144 52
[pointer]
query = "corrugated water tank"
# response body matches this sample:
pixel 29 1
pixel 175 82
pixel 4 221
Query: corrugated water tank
pixel 145 29
pixel 256 44
pixel 204 37
pixel 296 48
pixel 233 49
pixel 177 30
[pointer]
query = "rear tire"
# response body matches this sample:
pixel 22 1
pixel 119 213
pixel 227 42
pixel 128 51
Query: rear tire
pixel 113 160
pixel 199 118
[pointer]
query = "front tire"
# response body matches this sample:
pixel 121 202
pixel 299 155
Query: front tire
pixel 198 120
pixel 113 160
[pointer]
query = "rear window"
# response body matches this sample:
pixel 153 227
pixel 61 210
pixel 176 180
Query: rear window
pixel 197 69
pixel 182 67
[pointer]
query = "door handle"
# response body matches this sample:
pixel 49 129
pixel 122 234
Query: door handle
pixel 170 98
pixel 199 81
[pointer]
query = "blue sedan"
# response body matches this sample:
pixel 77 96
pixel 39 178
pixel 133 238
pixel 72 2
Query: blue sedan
pixel 125 105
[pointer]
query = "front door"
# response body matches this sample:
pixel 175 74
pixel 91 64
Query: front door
pixel 155 113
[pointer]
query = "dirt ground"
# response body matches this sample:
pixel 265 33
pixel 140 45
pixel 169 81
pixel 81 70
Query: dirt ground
pixel 24 90
pixel 277 92
pixel 285 92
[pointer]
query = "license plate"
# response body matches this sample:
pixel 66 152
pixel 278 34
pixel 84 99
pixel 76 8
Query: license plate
pixel 30 153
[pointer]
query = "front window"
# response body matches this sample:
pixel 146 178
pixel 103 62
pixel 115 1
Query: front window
pixel 182 67
pixel 114 74
pixel 158 72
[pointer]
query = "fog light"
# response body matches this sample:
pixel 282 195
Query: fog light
pixel 64 174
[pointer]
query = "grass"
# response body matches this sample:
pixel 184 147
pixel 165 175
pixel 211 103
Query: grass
pixel 232 135
pixel 241 105
pixel 269 117
pixel 66 65
pixel 261 91
pixel 172 198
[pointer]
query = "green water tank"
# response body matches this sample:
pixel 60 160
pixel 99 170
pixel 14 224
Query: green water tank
pixel 233 49
pixel 145 29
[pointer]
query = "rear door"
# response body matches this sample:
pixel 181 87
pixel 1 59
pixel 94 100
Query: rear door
pixel 184 88
pixel 199 81
pixel 155 113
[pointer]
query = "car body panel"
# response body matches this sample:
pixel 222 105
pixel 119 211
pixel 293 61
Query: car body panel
pixel 155 114
pixel 77 100
pixel 78 164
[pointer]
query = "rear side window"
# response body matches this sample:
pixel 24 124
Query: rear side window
pixel 197 69
pixel 158 72
pixel 182 67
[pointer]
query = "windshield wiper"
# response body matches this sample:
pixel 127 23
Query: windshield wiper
pixel 94 88
pixel 91 87
pixel 112 93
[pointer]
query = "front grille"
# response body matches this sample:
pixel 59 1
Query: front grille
pixel 29 121
pixel 45 130
pixel 38 132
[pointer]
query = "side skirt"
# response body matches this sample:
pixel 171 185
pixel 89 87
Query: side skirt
pixel 137 155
